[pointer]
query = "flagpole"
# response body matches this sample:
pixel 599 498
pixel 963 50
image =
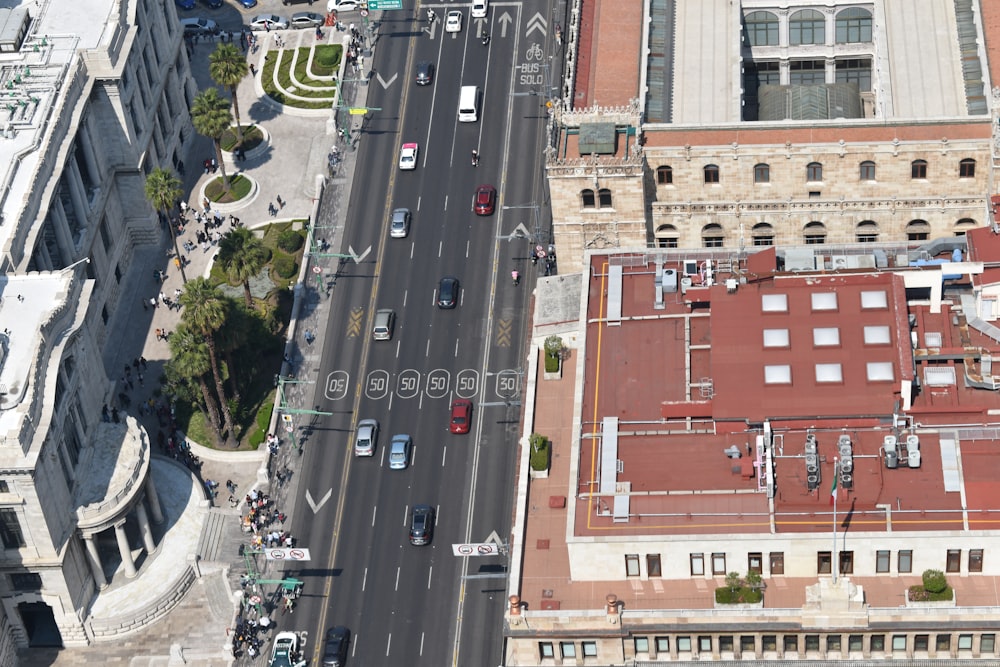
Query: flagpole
pixel 833 555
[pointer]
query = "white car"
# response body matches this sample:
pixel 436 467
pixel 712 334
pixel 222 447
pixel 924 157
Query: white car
pixel 269 22
pixel 453 22
pixel 341 5
pixel 408 157
pixel 479 8
pixel 285 652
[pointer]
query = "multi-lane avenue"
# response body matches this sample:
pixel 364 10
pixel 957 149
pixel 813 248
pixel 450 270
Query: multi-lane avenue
pixel 404 602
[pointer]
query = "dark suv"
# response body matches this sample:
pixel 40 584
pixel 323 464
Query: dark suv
pixel 335 651
pixel 421 525
pixel 447 292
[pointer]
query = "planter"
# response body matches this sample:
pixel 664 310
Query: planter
pixel 740 605
pixel 554 375
pixel 539 456
pixel 538 474
pixel 953 602
pixel 260 149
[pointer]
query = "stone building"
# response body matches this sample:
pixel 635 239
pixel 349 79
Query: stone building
pixel 96 95
pixel 757 123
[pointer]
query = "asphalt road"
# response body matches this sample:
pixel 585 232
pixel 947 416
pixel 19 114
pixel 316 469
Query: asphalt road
pixel 404 602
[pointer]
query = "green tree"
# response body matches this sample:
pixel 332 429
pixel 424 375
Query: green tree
pixel 205 311
pixel 190 361
pixel 228 66
pixel 163 189
pixel 242 256
pixel 211 117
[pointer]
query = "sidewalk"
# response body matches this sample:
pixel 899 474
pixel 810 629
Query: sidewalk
pixel 195 632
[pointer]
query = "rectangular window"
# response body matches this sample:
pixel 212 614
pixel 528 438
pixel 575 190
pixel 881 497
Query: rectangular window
pixel 567 649
pixel 662 645
pixel 812 643
pixel 641 644
pixel 4 488
pixel 697 565
pixel 705 644
pixel 761 174
pixel 824 562
pixel 589 649
pixel 855 643
pixel 954 560
pixel 965 642
pixel 814 172
pixel 653 565
pixel 725 643
pixel 967 169
pixel 769 643
pixel 942 643
pixel 987 643
pixel 777 562
pixel 918 169
pixel 920 642
pixel 10 529
pixel 748 644
pixel 546 650
pixel 846 564
pixel 683 644
pixel 899 642
pixel 904 561
pixel 26 581
pixel 718 563
pixel 882 561
pixel 833 643
pixel 975 560
pixel 877 643
pixel 867 171
pixel 755 563
pixel 791 643
pixel 631 565
pixel 711 174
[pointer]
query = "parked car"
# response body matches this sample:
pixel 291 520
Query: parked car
pixel 199 26
pixel 399 451
pixel 184 4
pixel 247 4
pixel 335 651
pixel 341 5
pixel 212 4
pixel 302 20
pixel 461 416
pixel 366 437
pixel 269 22
pixel 425 73
pixel 421 525
pixel 447 292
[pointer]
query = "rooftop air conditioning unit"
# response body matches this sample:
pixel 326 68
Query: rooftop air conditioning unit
pixel 891 459
pixel 913 458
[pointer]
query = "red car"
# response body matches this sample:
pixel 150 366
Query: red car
pixel 486 200
pixel 461 416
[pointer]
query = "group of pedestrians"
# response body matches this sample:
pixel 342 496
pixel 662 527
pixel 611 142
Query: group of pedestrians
pixel 250 633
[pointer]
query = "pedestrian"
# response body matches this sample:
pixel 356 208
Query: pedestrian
pixel 205 204
pixel 144 305
pixel 152 301
pixel 163 297
pixel 281 202
pixel 114 415
pixel 105 415
pixel 177 263
pixel 184 207
pixel 142 362
pixel 159 334
pixel 253 70
pixel 139 375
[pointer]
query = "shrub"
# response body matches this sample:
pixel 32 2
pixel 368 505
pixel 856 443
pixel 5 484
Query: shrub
pixel 551 363
pixel 284 266
pixel 290 240
pixel 541 452
pixel 934 581
pixel 553 346
pixel 744 595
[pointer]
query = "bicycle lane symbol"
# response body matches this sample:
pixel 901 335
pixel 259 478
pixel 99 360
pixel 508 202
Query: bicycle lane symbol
pixel 530 71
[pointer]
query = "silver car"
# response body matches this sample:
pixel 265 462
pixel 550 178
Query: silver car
pixel 366 437
pixel 306 20
pixel 399 224
pixel 399 452
pixel 269 22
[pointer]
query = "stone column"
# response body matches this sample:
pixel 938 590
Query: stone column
pixel 124 550
pixel 154 500
pixel 95 561
pixel 147 533
pixel 64 235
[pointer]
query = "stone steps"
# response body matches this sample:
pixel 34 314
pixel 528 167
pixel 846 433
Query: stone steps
pixel 213 533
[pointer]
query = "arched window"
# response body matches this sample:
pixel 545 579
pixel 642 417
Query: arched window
pixel 814 171
pixel 667 236
pixel 604 198
pixel 963 226
pixel 854 26
pixel 712 236
pixel 867 171
pixel 807 27
pixel 761 28
pixel 918 169
pixel 918 230
pixel 665 175
pixel 588 198
pixel 866 231
pixel 814 233
pixel 763 234
pixel 967 168
pixel 761 173
pixel 711 173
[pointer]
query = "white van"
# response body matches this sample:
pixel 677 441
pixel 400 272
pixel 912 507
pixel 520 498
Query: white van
pixel 468 104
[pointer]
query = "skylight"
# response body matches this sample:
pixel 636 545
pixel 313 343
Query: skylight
pixel 774 303
pixel 776 338
pixel 874 299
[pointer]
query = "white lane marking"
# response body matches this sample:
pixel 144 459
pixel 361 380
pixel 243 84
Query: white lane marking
pixel 397 577
pixel 444 456
pixel 427 352
pixel 398 346
pixel 440 248
pixel 406 513
pixel 388 643
pixel 364 581
pixel 422 641
pixel 457 340
pixel 374 512
pixel 468 245
pixel 413 249
pixel 406 293
pixel 430 576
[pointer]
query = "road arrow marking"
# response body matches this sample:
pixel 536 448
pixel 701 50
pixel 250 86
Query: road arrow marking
pixel 358 258
pixel 386 84
pixel 313 505
pixel 431 29
pixel 537 22
pixel 479 27
pixel 520 232
pixel 505 20
pixel 494 538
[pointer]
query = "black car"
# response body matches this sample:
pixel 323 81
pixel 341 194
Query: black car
pixel 335 651
pixel 425 73
pixel 448 292
pixel 421 525
pixel 212 4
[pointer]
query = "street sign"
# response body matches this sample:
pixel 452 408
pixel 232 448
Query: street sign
pixel 358 111
pixel 286 418
pixel 487 549
pixel 375 5
pixel 317 269
pixel 286 554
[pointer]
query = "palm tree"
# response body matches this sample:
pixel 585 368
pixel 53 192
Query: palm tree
pixel 228 66
pixel 242 256
pixel 211 118
pixel 190 360
pixel 205 311
pixel 162 190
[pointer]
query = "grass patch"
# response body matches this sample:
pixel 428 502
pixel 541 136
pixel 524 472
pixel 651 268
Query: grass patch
pixel 551 363
pixel 255 438
pixel 541 452
pixel 741 595
pixel 326 97
pixel 326 59
pixel 252 137
pixel 239 187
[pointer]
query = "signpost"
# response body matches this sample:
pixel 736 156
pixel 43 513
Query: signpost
pixel 480 549
pixel 286 554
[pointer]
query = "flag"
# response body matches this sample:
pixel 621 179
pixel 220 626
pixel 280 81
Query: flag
pixel 833 489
